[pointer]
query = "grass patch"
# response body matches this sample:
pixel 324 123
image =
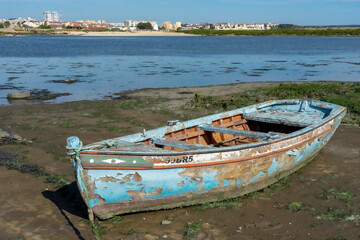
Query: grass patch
pixel 346 94
pixel 166 112
pixel 60 181
pixel 316 225
pixel 281 184
pixel 25 127
pixel 335 214
pixel 13 148
pixel 67 125
pixel 191 229
pixel 227 204
pixel 97 231
pixel 138 103
pixel 57 151
pixel 117 129
pixel 116 219
pixel 294 206
pixel 103 109
pixel 330 176
pixel 86 115
pixel 133 121
pixel 253 195
pixel 102 123
pixel 25 152
pixel 336 193
pixel 187 117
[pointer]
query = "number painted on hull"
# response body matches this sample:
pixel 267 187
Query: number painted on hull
pixel 184 159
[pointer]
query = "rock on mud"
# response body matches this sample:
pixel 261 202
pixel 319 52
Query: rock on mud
pixel 166 222
pixel 10 137
pixel 18 95
pixel 69 80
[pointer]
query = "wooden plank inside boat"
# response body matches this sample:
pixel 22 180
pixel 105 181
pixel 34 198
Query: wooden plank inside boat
pixel 237 132
pixel 179 144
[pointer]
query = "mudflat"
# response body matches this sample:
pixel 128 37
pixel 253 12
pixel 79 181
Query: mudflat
pixel 40 200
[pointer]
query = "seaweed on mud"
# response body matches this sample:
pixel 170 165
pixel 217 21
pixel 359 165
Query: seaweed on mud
pixel 277 61
pixel 64 81
pixel 44 94
pixel 12 78
pixel 192 229
pixel 12 141
pixel 354 63
pixel 16 162
pixel 312 65
pixel 17 72
pixel 10 86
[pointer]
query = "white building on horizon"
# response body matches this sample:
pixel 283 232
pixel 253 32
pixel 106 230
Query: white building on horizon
pixel 52 16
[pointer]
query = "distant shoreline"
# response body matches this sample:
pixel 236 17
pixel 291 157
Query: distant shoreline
pixel 8 32
pixel 330 32
pixel 130 34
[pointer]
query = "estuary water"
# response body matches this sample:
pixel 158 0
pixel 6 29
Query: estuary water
pixel 103 66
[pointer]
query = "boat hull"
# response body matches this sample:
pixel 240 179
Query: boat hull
pixel 183 180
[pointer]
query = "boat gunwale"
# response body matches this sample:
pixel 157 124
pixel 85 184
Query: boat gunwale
pixel 335 113
pixel 189 165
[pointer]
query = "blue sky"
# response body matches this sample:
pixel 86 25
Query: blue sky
pixel 301 12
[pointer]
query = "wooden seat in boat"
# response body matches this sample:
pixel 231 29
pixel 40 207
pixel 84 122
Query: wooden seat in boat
pixel 295 119
pixel 179 144
pixel 238 132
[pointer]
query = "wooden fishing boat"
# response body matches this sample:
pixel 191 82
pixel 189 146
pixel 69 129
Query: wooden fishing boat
pixel 202 160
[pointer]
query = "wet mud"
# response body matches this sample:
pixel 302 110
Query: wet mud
pixel 320 201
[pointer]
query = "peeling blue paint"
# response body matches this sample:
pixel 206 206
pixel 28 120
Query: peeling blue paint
pixel 274 167
pixel 226 182
pixel 78 171
pixel 93 202
pixel 239 182
pixel 309 149
pixel 293 152
pixel 210 180
pixel 256 176
pixel 174 183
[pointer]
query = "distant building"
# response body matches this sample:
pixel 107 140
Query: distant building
pixel 167 25
pixel 51 16
pixel 155 26
pixel 177 25
pixel 132 24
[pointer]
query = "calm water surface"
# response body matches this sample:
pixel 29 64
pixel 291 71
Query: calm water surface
pixel 103 66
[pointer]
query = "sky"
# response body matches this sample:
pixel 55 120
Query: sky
pixel 299 12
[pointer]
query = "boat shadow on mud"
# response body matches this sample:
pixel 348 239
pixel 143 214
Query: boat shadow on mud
pixel 68 199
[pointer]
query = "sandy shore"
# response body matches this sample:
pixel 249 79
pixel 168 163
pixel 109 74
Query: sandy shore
pixel 130 34
pixel 10 32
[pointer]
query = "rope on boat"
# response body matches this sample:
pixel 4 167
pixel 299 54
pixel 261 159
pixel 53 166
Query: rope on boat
pixel 74 146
